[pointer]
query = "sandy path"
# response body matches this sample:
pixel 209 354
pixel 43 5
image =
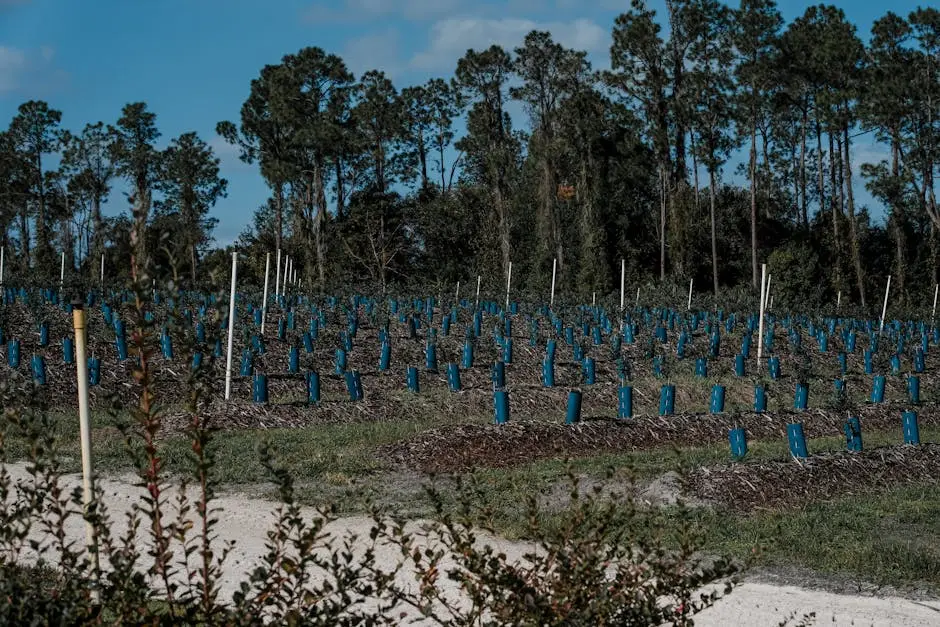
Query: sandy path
pixel 246 521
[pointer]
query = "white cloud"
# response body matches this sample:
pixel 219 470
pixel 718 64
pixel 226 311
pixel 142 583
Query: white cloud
pixel 451 38
pixel 228 154
pixel 29 71
pixel 12 65
pixel 359 10
pixel 374 51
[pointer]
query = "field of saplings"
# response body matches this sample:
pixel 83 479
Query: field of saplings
pixel 511 383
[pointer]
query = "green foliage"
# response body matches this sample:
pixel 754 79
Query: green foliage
pixel 609 166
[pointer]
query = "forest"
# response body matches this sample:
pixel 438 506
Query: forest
pixel 720 138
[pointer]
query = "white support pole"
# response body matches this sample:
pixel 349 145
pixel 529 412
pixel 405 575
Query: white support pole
pixel 770 278
pixel 264 299
pixel 277 275
pixel 478 289
pixel 884 310
pixel 594 299
pixel 760 324
pixel 637 297
pixel 689 306
pixel 1 266
pixel 933 313
pixel 231 329
pixel 551 302
pixel 508 284
pixel 84 422
pixel 62 272
pixel 457 293
pixel 102 269
pixel 839 300
pixel 286 276
pixel 623 271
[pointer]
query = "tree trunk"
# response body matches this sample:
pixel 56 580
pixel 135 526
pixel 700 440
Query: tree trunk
pixel 753 173
pixel 711 194
pixel 765 168
pixel 545 219
pixel 340 189
pixel 423 158
pixel 98 223
pixel 820 178
pixel 794 164
pixel 803 198
pixel 850 205
pixel 836 211
pixel 139 235
pixel 25 235
pixel 319 221
pixel 694 172
pixel 440 153
pixel 503 221
pixel 934 278
pixel 43 243
pixel 662 225
pixel 897 221
pixel 279 216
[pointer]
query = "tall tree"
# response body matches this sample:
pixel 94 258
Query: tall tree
pixel 191 186
pixel 87 159
pixel 35 131
pixel 137 159
pixel 380 119
pixel 491 148
pixel 637 62
pixel 924 131
pixel 304 103
pixel 14 196
pixel 263 137
pixel 443 105
pixel 757 30
pixel 550 73
pixel 886 105
pixel 711 55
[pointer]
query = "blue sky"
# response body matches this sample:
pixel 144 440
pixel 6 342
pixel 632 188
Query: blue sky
pixel 192 60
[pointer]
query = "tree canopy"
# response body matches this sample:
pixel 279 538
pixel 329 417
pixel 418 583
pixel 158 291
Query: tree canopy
pixel 719 138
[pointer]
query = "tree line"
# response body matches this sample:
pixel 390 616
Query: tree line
pixel 437 183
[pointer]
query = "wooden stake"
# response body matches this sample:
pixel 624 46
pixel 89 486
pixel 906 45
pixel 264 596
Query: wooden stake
pixel 231 329
pixel 884 310
pixel 264 299
pixel 760 324
pixel 933 313
pixel 623 271
pixel 84 422
pixel 508 283
pixel 551 302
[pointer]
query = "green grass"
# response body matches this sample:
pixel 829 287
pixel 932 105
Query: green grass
pixel 885 538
